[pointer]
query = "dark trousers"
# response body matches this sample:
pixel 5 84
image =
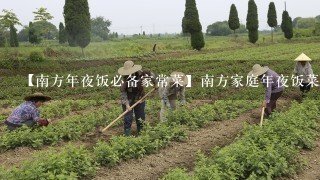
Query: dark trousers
pixel 272 104
pixel 138 113
pixel 305 87
pixel 12 127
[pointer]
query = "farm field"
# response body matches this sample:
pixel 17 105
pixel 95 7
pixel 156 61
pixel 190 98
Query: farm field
pixel 221 122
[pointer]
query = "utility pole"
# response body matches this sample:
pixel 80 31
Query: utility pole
pixel 141 29
pixel 285 6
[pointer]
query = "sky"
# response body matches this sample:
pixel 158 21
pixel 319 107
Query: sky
pixel 160 16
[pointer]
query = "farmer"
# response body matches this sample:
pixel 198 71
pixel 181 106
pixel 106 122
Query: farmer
pixel 28 113
pixel 270 81
pixel 169 92
pixel 132 90
pixel 303 69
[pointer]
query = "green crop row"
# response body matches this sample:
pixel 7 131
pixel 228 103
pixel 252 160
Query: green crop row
pixel 274 52
pixel 60 109
pixel 118 149
pixel 262 153
pixel 69 128
pixel 70 163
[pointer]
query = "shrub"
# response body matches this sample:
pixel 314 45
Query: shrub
pixel 36 56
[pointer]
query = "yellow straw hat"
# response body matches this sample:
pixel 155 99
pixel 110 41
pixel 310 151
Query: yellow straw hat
pixel 303 57
pixel 257 70
pixel 128 68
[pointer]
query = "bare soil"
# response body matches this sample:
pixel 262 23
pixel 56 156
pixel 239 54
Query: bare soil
pixel 311 170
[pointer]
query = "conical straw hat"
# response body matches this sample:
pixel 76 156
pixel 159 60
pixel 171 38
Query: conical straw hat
pixel 303 57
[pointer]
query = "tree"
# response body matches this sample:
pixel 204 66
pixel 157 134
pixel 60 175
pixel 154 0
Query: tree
pixel 295 21
pixel 23 35
pixel 219 29
pixel 33 37
pixel 100 27
pixel 286 25
pixel 252 22
pixel 272 18
pixel 318 18
pixel 8 21
pixel 2 35
pixel 233 22
pixel 13 36
pixel 191 24
pixel 45 29
pixel 190 21
pixel 197 40
pixel 63 38
pixel 9 18
pixel 222 29
pixel 42 16
pixel 77 22
pixel 306 23
pixel 317 29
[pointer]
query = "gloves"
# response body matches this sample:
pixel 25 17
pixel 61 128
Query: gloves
pixel 43 122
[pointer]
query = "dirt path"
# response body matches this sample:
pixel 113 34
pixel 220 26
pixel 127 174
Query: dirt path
pixel 183 154
pixel 311 171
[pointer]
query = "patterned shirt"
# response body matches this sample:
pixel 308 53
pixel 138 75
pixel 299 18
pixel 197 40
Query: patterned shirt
pixel 172 90
pixel 270 82
pixel 134 93
pixel 304 71
pixel 24 112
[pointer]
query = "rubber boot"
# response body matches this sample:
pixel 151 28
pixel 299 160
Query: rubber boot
pixel 139 129
pixel 127 132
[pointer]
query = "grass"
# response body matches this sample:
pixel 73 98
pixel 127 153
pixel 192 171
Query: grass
pixel 135 47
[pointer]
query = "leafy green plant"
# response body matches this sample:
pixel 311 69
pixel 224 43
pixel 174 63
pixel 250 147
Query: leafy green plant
pixel 177 174
pixel 70 163
pixel 267 152
pixel 36 56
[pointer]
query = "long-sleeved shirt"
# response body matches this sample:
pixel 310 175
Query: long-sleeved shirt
pixel 135 92
pixel 303 71
pixel 172 89
pixel 24 112
pixel 272 84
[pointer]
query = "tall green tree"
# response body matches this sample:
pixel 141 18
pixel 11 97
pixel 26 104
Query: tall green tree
pixel 286 25
pixel 190 21
pixel 2 35
pixel 234 22
pixel 33 37
pixel 77 22
pixel 13 36
pixel 272 18
pixel 197 40
pixel 63 38
pixel 252 22
pixel 191 24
